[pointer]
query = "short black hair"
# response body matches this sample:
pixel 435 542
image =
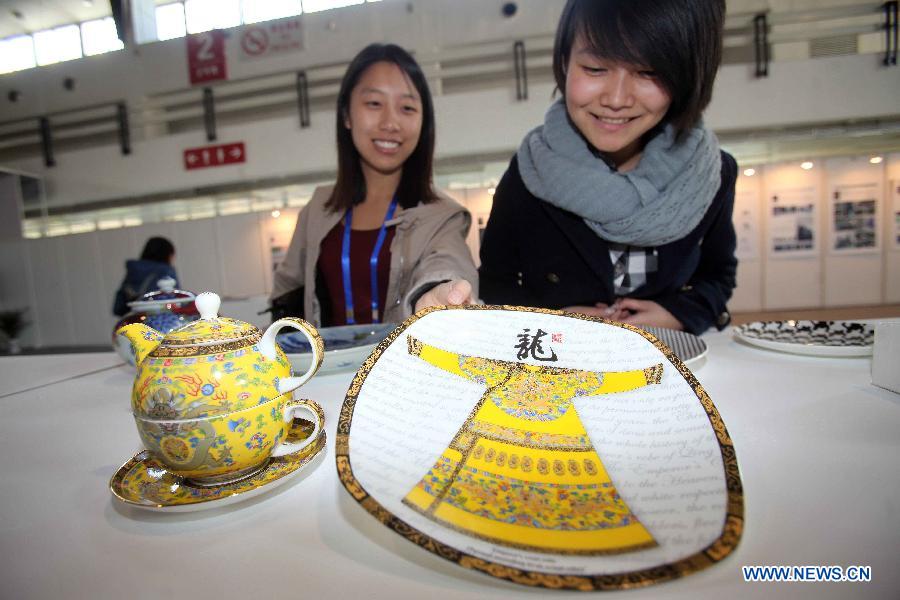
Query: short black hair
pixel 680 40
pixel 158 249
pixel 416 182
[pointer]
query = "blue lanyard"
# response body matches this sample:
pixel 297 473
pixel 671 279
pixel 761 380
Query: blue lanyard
pixel 373 263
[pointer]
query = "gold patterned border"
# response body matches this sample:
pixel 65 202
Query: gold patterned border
pixel 298 461
pixel 204 333
pixel 188 351
pixel 732 527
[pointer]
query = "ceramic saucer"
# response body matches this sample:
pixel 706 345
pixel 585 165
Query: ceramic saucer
pixel 686 346
pixel 812 338
pixel 145 483
pixel 346 346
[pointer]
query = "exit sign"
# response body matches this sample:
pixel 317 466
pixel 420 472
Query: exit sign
pixel 214 156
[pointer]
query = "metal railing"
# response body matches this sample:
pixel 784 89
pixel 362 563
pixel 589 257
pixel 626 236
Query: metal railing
pixel 511 63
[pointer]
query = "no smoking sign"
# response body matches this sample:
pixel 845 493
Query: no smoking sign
pixel 255 41
pixel 270 38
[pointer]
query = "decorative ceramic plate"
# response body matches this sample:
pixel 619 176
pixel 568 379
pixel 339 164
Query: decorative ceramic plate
pixel 686 346
pixel 346 347
pixel 549 449
pixel 170 299
pixel 813 338
pixel 145 483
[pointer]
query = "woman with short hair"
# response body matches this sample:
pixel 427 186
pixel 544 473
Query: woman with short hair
pixel 620 204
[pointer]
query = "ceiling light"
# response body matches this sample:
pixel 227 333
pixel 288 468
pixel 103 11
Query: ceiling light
pixel 806 165
pixel 876 160
pixel 492 191
pixel 87 3
pixel 749 172
pixel 276 214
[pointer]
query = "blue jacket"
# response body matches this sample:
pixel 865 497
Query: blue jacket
pixel 536 254
pixel 140 277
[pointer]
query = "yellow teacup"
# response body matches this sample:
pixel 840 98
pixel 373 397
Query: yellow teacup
pixel 226 448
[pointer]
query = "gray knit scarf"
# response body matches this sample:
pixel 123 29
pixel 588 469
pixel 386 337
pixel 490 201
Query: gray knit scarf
pixel 657 202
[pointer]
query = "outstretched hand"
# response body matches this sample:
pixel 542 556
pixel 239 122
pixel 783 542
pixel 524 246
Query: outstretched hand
pixel 646 313
pixel 643 313
pixel 598 310
pixel 452 293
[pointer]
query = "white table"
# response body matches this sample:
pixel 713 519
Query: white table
pixel 818 446
pixel 20 373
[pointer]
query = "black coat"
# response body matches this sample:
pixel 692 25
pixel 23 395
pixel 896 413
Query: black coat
pixel 535 254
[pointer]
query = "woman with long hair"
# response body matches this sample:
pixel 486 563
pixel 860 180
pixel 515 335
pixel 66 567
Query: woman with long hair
pixel 380 243
pixel 620 204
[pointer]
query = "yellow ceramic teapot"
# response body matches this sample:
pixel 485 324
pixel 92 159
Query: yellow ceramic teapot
pixel 212 400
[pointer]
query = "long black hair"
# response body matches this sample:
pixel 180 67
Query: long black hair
pixel 416 181
pixel 680 40
pixel 158 249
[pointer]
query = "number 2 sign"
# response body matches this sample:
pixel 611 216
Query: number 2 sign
pixel 206 57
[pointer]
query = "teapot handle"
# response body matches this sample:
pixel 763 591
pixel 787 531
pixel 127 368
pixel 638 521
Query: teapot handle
pixel 269 349
pixel 318 421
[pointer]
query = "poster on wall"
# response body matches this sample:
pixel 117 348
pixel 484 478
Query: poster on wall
pixel 746 224
pixel 854 219
pixel 792 228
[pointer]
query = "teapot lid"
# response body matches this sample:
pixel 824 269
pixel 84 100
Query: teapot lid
pixel 211 334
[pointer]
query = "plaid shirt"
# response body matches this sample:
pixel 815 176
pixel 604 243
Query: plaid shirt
pixel 631 266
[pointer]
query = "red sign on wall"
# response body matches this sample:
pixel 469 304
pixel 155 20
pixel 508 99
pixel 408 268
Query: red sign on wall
pixel 206 57
pixel 264 39
pixel 214 156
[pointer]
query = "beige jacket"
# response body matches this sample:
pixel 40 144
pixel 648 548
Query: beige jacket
pixel 429 246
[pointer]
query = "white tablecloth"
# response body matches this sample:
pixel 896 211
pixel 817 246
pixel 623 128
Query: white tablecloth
pixel 19 373
pixel 818 446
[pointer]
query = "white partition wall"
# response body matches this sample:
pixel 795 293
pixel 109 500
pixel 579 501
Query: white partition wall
pixel 277 229
pixel 748 296
pixel 242 259
pixel 799 246
pixel 891 272
pixel 10 206
pixel 854 213
pixel 196 255
pixel 68 282
pixel 142 233
pixel 116 246
pixel 793 223
pixel 478 201
pixel 52 314
pixel 16 291
pixel 86 297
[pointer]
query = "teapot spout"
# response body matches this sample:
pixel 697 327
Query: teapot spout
pixel 143 339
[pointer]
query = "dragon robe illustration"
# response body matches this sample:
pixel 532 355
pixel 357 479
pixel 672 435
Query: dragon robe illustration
pixel 522 471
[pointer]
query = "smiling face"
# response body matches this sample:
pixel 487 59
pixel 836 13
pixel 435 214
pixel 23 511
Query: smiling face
pixel 385 118
pixel 613 104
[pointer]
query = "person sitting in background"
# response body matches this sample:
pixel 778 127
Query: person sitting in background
pixel 142 274
pixel 380 243
pixel 620 205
